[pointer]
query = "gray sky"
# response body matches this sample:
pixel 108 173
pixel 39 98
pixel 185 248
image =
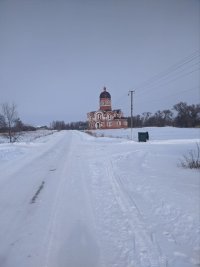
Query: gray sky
pixel 56 55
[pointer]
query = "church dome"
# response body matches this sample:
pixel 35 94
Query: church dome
pixel 105 94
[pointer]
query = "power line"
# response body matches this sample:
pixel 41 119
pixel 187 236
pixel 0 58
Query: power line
pixel 169 70
pixel 175 66
pixel 168 97
pixel 162 78
pixel 170 81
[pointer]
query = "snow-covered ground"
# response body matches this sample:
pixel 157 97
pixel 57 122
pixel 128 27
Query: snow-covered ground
pixel 28 136
pixel 73 200
pixel 155 133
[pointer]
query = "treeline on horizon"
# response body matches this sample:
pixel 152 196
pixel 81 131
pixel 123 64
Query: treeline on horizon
pixel 181 115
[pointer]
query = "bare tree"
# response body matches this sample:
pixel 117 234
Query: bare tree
pixel 2 122
pixel 187 115
pixel 9 112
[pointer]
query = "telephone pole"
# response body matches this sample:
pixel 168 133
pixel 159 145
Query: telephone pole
pixel 131 92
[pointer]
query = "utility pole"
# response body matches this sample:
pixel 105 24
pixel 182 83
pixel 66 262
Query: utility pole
pixel 131 92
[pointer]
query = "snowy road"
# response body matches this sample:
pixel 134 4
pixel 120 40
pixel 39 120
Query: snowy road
pixel 77 201
pixel 45 213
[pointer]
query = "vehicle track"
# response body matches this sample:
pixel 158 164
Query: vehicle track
pixel 146 249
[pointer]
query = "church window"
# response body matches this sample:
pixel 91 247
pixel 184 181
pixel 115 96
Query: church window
pixel 99 116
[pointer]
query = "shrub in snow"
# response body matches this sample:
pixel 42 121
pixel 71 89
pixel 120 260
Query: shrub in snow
pixel 192 159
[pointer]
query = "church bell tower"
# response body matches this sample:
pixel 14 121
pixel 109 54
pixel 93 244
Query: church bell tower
pixel 105 101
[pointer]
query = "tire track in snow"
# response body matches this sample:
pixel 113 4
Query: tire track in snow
pixel 155 193
pixel 37 193
pixel 77 246
pixel 114 240
pixel 55 210
pixel 146 252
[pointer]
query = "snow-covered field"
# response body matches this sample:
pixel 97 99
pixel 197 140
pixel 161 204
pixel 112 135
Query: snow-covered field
pixel 28 136
pixel 155 133
pixel 73 200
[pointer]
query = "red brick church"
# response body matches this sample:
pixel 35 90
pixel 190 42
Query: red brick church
pixel 105 117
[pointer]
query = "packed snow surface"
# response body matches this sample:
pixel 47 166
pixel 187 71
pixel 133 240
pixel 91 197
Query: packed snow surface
pixel 72 200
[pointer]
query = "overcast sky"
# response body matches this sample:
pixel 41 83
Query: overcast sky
pixel 57 55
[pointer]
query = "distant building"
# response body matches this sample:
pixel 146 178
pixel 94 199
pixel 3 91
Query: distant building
pixel 105 117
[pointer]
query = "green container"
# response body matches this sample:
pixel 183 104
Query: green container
pixel 143 136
